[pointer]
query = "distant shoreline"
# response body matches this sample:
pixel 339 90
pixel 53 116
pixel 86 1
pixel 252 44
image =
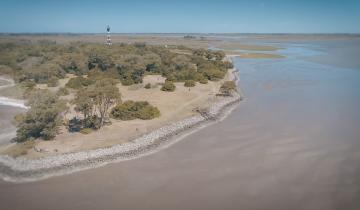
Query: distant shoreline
pixel 143 33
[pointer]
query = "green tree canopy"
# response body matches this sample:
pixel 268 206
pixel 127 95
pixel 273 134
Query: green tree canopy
pixel 43 118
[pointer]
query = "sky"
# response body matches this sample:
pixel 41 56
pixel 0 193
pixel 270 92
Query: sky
pixel 185 16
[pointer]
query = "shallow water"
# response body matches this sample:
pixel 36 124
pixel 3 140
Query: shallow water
pixel 293 143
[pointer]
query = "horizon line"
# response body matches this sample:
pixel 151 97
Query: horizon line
pixel 190 33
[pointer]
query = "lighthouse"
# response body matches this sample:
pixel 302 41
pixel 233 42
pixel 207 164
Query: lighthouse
pixel 108 38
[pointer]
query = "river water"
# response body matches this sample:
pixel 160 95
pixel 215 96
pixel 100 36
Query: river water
pixel 293 143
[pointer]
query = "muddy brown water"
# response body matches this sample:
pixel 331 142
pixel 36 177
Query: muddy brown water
pixel 293 143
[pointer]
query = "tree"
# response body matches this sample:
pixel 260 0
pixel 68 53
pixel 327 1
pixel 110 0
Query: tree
pixel 43 118
pixel 219 55
pixel 84 103
pixel 181 62
pixel 104 94
pixel 96 100
pixel 152 62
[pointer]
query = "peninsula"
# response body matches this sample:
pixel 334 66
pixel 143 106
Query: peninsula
pixel 87 100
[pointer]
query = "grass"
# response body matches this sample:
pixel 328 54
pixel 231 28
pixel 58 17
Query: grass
pixel 20 149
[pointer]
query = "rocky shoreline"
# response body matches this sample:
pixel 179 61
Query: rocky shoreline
pixel 22 169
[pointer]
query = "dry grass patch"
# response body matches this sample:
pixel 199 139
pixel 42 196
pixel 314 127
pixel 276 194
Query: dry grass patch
pixel 20 149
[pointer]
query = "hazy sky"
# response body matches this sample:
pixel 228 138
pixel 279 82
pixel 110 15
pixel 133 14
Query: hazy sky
pixel 228 16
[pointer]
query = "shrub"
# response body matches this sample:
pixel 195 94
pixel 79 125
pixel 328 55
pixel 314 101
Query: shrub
pixel 127 82
pixel 148 112
pixel 79 82
pixel 28 85
pixel 75 125
pixel 93 122
pixel 18 119
pixel 147 86
pixel 189 83
pixel 84 126
pixel 124 111
pixel 203 81
pixel 168 86
pixel 214 74
pixel 228 87
pixel 131 110
pixel 86 130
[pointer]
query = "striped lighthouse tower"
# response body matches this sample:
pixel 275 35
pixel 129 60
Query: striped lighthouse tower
pixel 108 38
